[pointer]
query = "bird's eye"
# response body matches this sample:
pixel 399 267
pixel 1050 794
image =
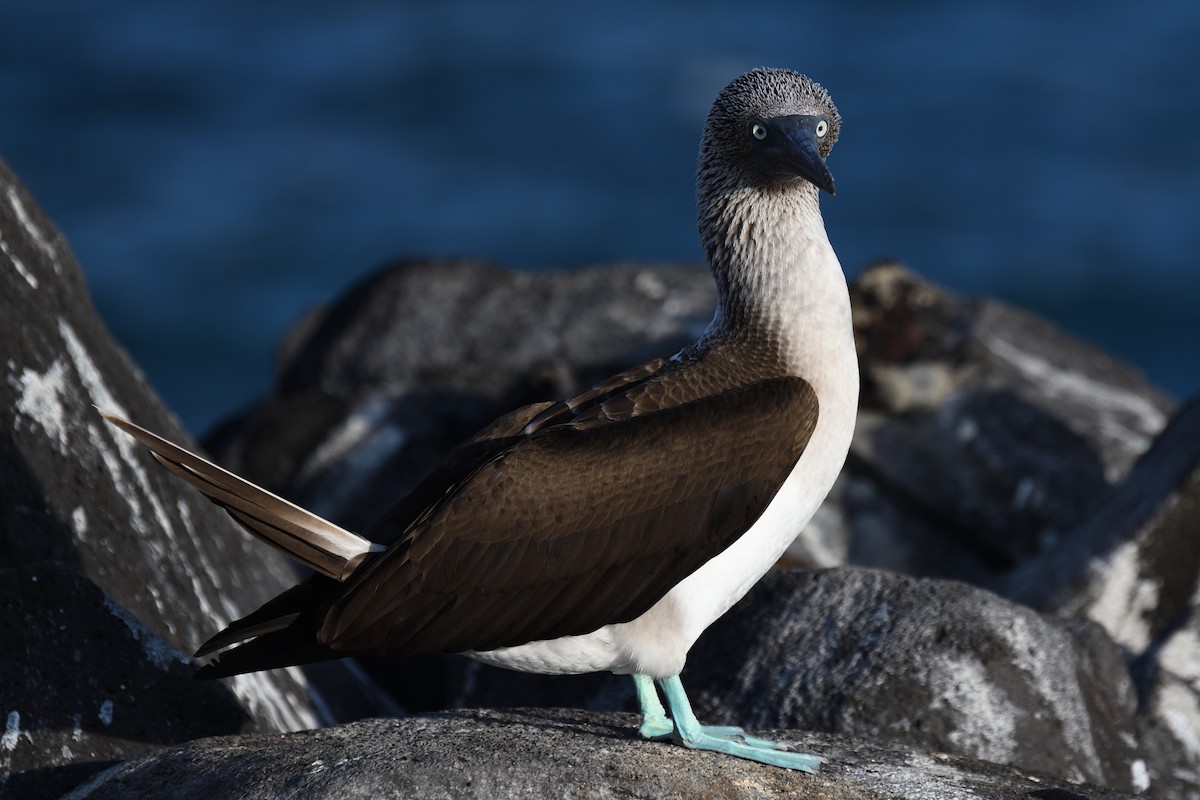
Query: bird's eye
pixel 758 131
pixel 822 129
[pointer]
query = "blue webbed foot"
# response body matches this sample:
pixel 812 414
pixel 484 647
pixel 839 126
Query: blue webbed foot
pixel 752 748
pixel 731 741
pixel 735 734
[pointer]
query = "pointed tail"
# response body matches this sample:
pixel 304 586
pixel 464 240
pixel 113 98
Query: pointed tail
pixel 317 543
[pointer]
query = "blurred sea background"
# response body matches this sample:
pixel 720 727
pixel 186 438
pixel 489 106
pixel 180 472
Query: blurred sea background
pixel 222 167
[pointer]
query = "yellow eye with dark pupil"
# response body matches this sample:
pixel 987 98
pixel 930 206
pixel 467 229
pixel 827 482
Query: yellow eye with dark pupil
pixel 758 131
pixel 822 129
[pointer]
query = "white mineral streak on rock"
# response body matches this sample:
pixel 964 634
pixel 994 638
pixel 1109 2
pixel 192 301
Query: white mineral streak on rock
pixel 362 442
pixel 1179 709
pixel 1050 664
pixel 122 462
pixel 985 722
pixel 228 611
pixel 1139 776
pixel 1181 657
pixel 35 233
pixel 41 399
pixel 156 649
pixel 1125 598
pixel 266 699
pixel 260 694
pixel 1108 399
pixel 18 264
pixel 12 732
pixel 106 713
pixel 79 523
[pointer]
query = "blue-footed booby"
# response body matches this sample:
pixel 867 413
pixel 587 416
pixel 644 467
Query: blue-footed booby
pixel 607 531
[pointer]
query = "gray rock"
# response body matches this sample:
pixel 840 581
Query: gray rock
pixel 1169 711
pixel 938 665
pixel 87 685
pixel 919 344
pixel 985 434
pixel 1134 565
pixel 1005 476
pixel 561 754
pixel 376 389
pixel 80 492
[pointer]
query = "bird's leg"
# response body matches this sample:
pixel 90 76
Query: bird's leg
pixel 730 732
pixel 731 741
pixel 655 722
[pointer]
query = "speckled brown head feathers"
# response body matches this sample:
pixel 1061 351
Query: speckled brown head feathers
pixel 764 93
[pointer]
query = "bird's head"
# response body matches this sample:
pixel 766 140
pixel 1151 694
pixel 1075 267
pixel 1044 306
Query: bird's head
pixel 769 127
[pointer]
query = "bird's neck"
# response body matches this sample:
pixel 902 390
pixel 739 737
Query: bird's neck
pixel 780 286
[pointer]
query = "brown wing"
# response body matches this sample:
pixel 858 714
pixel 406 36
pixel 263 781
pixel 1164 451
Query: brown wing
pixel 490 443
pixel 578 525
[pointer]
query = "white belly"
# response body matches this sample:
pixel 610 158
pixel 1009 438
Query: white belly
pixel 657 642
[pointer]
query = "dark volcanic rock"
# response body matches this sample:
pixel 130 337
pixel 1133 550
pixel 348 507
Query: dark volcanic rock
pixel 86 685
pixel 561 754
pixel 919 344
pixel 80 492
pixel 1169 713
pixel 985 434
pixel 1134 565
pixel 938 665
pixel 1007 474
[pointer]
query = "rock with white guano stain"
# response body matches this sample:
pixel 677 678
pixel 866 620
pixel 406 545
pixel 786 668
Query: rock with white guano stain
pixel 86 685
pixel 935 664
pixel 1133 565
pixel 1169 714
pixel 79 492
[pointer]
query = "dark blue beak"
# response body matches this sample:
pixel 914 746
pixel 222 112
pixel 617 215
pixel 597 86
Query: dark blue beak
pixel 791 149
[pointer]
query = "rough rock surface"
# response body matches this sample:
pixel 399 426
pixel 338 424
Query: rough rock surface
pixel 1134 565
pixel 937 665
pixel 1169 713
pixel 985 434
pixel 558 754
pixel 77 491
pixel 919 344
pixel 87 685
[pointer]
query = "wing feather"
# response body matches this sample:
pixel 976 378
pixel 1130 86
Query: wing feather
pixel 577 526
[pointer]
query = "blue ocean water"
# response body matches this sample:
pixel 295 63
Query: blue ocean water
pixel 221 167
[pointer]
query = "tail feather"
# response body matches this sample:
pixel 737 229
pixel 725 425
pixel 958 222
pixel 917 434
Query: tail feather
pixel 280 612
pixel 295 644
pixel 315 542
